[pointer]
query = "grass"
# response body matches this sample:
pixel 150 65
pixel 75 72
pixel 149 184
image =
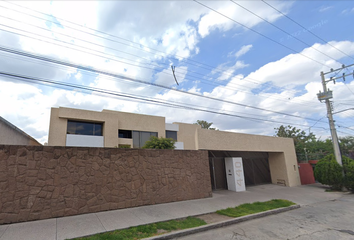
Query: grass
pixel 256 207
pixel 148 230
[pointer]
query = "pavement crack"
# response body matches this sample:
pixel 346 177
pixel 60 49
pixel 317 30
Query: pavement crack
pixel 4 231
pixel 56 228
pixel 309 234
pixel 236 234
pixel 350 232
pixel 101 222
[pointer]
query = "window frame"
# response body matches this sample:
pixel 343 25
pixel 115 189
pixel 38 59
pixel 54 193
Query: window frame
pixel 93 130
pixel 124 131
pixel 174 132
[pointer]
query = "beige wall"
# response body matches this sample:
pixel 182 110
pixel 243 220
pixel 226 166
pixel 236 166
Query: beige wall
pixel 10 136
pixel 282 156
pixel 139 122
pixel 188 135
pixel 112 122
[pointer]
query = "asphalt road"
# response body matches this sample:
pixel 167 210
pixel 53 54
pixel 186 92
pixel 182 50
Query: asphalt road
pixel 324 220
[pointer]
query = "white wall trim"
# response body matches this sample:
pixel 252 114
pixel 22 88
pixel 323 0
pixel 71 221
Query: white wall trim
pixel 171 127
pixel 73 140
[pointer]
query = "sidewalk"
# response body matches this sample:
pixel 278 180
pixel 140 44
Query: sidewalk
pixel 86 224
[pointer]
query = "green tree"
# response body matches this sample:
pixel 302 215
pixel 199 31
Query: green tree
pixel 205 124
pixel 302 140
pixel 347 146
pixel 159 143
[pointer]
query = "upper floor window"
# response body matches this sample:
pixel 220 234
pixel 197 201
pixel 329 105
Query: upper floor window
pixel 84 128
pixel 140 138
pixel 124 133
pixel 171 134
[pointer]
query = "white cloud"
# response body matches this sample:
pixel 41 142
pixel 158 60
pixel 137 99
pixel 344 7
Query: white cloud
pixel 244 49
pixel 325 8
pixel 227 72
pixel 295 69
pixel 176 30
pixel 213 20
pixel 348 10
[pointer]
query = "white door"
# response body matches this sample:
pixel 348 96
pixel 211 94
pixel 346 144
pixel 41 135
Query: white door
pixel 234 174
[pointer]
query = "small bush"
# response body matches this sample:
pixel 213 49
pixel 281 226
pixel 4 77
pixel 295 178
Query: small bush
pixel 329 172
pixel 123 146
pixel 159 143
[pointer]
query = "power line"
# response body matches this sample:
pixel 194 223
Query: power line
pixel 114 36
pixel 33 56
pixel 135 97
pixel 282 30
pixel 261 34
pixel 323 40
pixel 211 67
pixel 227 86
pixel 132 64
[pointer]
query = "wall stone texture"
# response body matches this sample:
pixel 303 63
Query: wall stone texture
pixel 40 182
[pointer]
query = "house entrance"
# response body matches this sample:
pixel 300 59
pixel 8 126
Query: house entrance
pixel 255 166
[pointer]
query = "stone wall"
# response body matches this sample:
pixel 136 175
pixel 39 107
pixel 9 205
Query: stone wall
pixel 39 182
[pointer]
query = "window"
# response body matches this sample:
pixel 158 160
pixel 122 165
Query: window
pixel 124 133
pixel 139 138
pixel 84 128
pixel 171 134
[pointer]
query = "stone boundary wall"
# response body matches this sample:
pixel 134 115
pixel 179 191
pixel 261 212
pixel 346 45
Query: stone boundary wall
pixel 40 182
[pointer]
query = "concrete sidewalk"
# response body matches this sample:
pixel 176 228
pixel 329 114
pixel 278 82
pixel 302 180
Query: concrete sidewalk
pixel 86 224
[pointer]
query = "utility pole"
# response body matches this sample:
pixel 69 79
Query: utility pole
pixel 326 95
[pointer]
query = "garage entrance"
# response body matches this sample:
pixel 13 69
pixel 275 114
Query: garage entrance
pixel 255 166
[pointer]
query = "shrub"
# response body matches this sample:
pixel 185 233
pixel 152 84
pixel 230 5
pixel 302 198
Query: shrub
pixel 348 165
pixel 160 143
pixel 329 172
pixel 123 146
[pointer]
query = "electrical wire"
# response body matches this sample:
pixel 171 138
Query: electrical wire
pixel 298 39
pixel 34 56
pixel 226 86
pixel 212 67
pixel 261 34
pixel 134 97
pixel 323 40
pixel 132 64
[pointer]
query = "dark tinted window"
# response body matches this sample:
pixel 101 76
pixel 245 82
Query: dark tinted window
pixel 171 134
pixel 124 133
pixel 139 138
pixel 84 128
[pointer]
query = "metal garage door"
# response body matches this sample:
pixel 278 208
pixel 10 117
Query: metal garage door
pixel 255 164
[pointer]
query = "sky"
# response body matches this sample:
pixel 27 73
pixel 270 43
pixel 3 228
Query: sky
pixel 246 66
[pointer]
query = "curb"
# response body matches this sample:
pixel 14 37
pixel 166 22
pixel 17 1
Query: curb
pixel 190 231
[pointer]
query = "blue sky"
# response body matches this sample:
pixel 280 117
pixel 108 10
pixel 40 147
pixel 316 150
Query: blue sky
pixel 267 80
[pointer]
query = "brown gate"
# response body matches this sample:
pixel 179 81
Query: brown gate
pixel 217 173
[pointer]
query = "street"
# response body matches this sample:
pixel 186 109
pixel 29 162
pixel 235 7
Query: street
pixel 324 220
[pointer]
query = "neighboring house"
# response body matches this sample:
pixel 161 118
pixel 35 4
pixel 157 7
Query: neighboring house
pixel 12 135
pixel 265 159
